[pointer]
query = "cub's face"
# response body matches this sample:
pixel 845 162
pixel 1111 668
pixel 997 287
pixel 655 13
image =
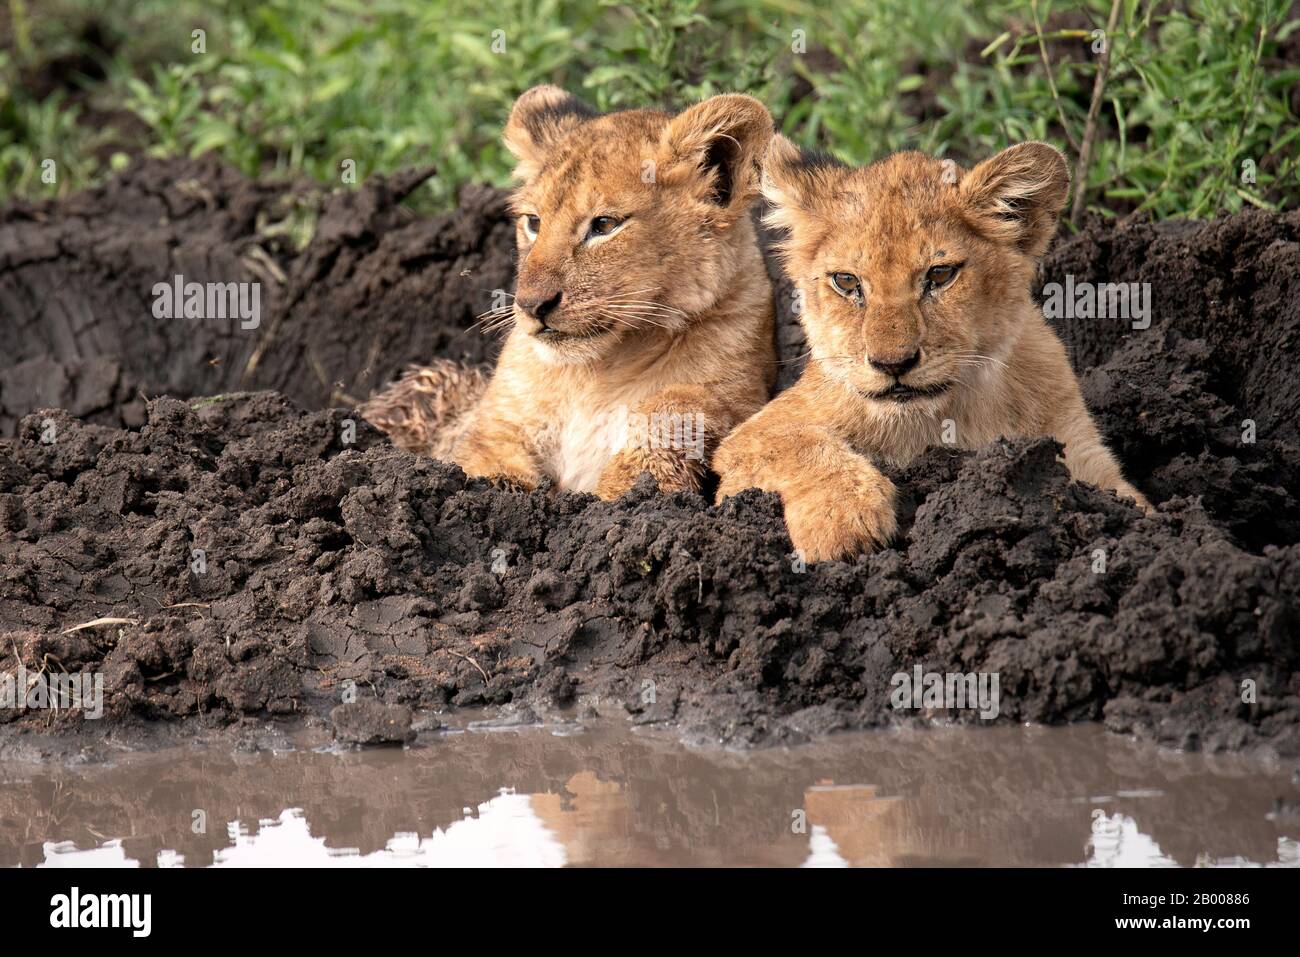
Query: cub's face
pixel 626 223
pixel 914 272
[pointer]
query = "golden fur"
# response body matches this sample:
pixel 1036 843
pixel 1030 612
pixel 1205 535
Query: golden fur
pixel 959 359
pixel 637 224
pixel 425 411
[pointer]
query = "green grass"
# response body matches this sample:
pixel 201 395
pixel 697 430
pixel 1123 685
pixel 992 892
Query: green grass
pixel 1194 94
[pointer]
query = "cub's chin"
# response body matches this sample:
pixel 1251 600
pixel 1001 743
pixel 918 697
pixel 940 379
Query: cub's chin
pixel 901 400
pixel 568 349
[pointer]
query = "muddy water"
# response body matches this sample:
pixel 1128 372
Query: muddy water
pixel 608 796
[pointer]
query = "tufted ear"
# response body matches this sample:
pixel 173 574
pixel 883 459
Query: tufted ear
pixel 1016 196
pixel 718 146
pixel 539 119
pixel 793 178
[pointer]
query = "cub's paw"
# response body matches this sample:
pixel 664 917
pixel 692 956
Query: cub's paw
pixel 671 468
pixel 841 518
pixel 501 476
pixel 734 477
pixel 1126 490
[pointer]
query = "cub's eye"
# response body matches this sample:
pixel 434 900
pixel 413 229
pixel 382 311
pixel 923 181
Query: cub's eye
pixel 531 225
pixel 939 276
pixel 603 225
pixel 847 284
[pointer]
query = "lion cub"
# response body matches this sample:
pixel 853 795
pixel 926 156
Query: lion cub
pixel 915 278
pixel 642 319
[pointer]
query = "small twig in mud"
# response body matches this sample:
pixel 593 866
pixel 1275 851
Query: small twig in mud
pixel 251 365
pixel 317 368
pixel 98 622
pixel 196 190
pixel 183 604
pixel 1090 127
pixel 457 654
pixel 257 261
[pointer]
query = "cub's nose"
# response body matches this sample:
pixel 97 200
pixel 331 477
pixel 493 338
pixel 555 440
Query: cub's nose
pixel 894 365
pixel 539 307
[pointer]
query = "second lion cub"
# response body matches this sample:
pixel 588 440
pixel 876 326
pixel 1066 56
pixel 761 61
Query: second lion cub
pixel 915 277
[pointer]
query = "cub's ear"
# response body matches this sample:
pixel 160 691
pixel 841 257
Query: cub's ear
pixel 1016 196
pixel 793 179
pixel 539 118
pixel 717 146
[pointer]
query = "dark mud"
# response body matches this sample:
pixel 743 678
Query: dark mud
pixel 374 290
pixel 332 561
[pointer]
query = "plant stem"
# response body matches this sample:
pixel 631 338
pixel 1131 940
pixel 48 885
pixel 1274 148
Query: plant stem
pixel 1090 127
pixel 1051 80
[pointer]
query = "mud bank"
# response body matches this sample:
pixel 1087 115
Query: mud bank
pixel 374 290
pixel 332 560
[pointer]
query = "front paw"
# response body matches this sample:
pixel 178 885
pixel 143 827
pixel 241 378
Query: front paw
pixel 841 518
pixel 674 470
pixel 1126 490
pixel 501 476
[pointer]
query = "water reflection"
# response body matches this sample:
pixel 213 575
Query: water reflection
pixel 505 832
pixel 1117 842
pixel 608 797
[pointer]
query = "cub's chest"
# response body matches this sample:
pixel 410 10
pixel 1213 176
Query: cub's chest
pixel 579 442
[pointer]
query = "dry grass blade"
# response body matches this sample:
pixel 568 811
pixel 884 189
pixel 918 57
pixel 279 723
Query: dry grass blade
pixel 99 622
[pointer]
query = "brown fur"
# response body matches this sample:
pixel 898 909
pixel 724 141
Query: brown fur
pixel 427 410
pixel 980 338
pixel 669 314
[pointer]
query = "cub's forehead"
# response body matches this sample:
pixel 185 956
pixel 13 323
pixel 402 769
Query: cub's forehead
pixel 599 161
pixel 903 182
pixel 906 199
pixel 912 173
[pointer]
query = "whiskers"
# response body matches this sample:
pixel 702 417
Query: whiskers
pixel 958 368
pixel 812 358
pixel 496 318
pixel 974 361
pixel 626 310
pixel 975 358
pixel 808 358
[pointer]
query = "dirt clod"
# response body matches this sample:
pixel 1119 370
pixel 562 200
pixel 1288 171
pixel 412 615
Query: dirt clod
pixel 369 722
